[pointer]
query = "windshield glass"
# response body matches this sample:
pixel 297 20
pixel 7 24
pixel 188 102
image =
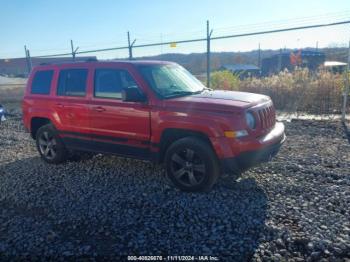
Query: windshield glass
pixel 171 80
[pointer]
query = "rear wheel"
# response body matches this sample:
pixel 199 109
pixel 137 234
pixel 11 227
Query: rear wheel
pixel 192 165
pixel 50 145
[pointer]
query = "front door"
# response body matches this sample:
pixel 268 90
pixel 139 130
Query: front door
pixel 71 105
pixel 116 126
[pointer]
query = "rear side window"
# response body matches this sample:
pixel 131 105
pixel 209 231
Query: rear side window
pixel 110 82
pixel 42 82
pixel 72 82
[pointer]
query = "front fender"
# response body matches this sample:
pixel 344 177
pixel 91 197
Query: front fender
pixel 210 124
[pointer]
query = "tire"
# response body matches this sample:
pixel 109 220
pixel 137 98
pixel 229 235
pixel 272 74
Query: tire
pixel 192 165
pixel 50 145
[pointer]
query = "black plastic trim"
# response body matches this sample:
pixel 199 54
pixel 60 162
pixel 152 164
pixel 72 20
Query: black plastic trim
pixel 109 148
pixel 110 138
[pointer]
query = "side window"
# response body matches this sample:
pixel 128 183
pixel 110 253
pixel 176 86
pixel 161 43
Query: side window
pixel 110 82
pixel 42 82
pixel 72 82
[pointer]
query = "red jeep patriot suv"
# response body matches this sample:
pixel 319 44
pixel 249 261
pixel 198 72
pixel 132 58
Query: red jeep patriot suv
pixel 149 110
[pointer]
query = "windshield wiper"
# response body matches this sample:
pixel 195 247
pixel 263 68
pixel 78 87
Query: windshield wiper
pixel 180 93
pixel 184 93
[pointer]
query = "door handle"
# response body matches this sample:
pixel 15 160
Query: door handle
pixel 99 109
pixel 59 105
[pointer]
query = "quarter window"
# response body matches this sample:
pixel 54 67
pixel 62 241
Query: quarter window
pixel 42 82
pixel 72 82
pixel 109 83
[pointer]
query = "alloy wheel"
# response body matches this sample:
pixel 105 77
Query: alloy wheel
pixel 188 168
pixel 48 145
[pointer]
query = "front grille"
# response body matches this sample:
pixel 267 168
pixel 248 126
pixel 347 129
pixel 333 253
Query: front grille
pixel 266 117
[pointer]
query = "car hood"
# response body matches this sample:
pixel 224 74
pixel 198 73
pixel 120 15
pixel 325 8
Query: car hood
pixel 218 100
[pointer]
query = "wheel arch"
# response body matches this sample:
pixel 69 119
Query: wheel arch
pixel 170 135
pixel 36 123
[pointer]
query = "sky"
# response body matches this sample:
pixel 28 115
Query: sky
pixel 46 27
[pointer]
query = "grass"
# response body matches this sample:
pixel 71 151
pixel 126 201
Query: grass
pixel 297 91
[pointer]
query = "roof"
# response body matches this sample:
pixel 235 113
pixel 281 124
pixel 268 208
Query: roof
pixel 136 62
pixel 240 67
pixel 334 63
pixel 39 60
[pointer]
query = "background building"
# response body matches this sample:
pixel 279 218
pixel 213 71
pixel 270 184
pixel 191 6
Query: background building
pixel 289 60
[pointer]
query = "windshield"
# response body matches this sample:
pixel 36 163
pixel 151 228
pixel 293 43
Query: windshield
pixel 171 80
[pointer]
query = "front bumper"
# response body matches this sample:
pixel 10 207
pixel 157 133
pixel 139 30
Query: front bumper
pixel 270 146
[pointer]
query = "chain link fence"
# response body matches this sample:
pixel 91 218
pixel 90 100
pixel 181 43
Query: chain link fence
pixel 303 68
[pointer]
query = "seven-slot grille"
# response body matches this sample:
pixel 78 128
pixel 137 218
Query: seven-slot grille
pixel 266 117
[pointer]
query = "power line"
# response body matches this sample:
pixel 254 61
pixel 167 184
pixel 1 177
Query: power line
pixel 335 17
pixel 339 16
pixel 283 30
pixel 200 39
pixel 221 37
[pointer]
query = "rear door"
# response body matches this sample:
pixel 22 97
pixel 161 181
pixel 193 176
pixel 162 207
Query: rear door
pixel 116 126
pixel 71 105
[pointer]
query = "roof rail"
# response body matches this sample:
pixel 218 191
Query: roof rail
pixel 45 63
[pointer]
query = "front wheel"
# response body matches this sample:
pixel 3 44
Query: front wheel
pixel 50 145
pixel 192 165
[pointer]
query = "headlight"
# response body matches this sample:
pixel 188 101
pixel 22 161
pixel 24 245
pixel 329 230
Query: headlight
pixel 1 110
pixel 249 117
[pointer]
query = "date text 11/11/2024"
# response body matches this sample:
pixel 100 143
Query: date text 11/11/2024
pixel 173 258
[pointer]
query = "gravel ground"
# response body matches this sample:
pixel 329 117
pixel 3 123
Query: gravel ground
pixel 294 208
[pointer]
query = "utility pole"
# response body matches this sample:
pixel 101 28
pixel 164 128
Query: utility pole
pixel 209 32
pixel 28 59
pixel 130 45
pixel 73 51
pixel 316 46
pixel 259 57
pixel 346 89
pixel 280 60
pixel 71 45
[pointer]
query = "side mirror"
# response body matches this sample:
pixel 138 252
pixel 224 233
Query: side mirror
pixel 133 94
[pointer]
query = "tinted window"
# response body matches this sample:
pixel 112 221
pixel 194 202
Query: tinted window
pixel 110 82
pixel 72 82
pixel 42 82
